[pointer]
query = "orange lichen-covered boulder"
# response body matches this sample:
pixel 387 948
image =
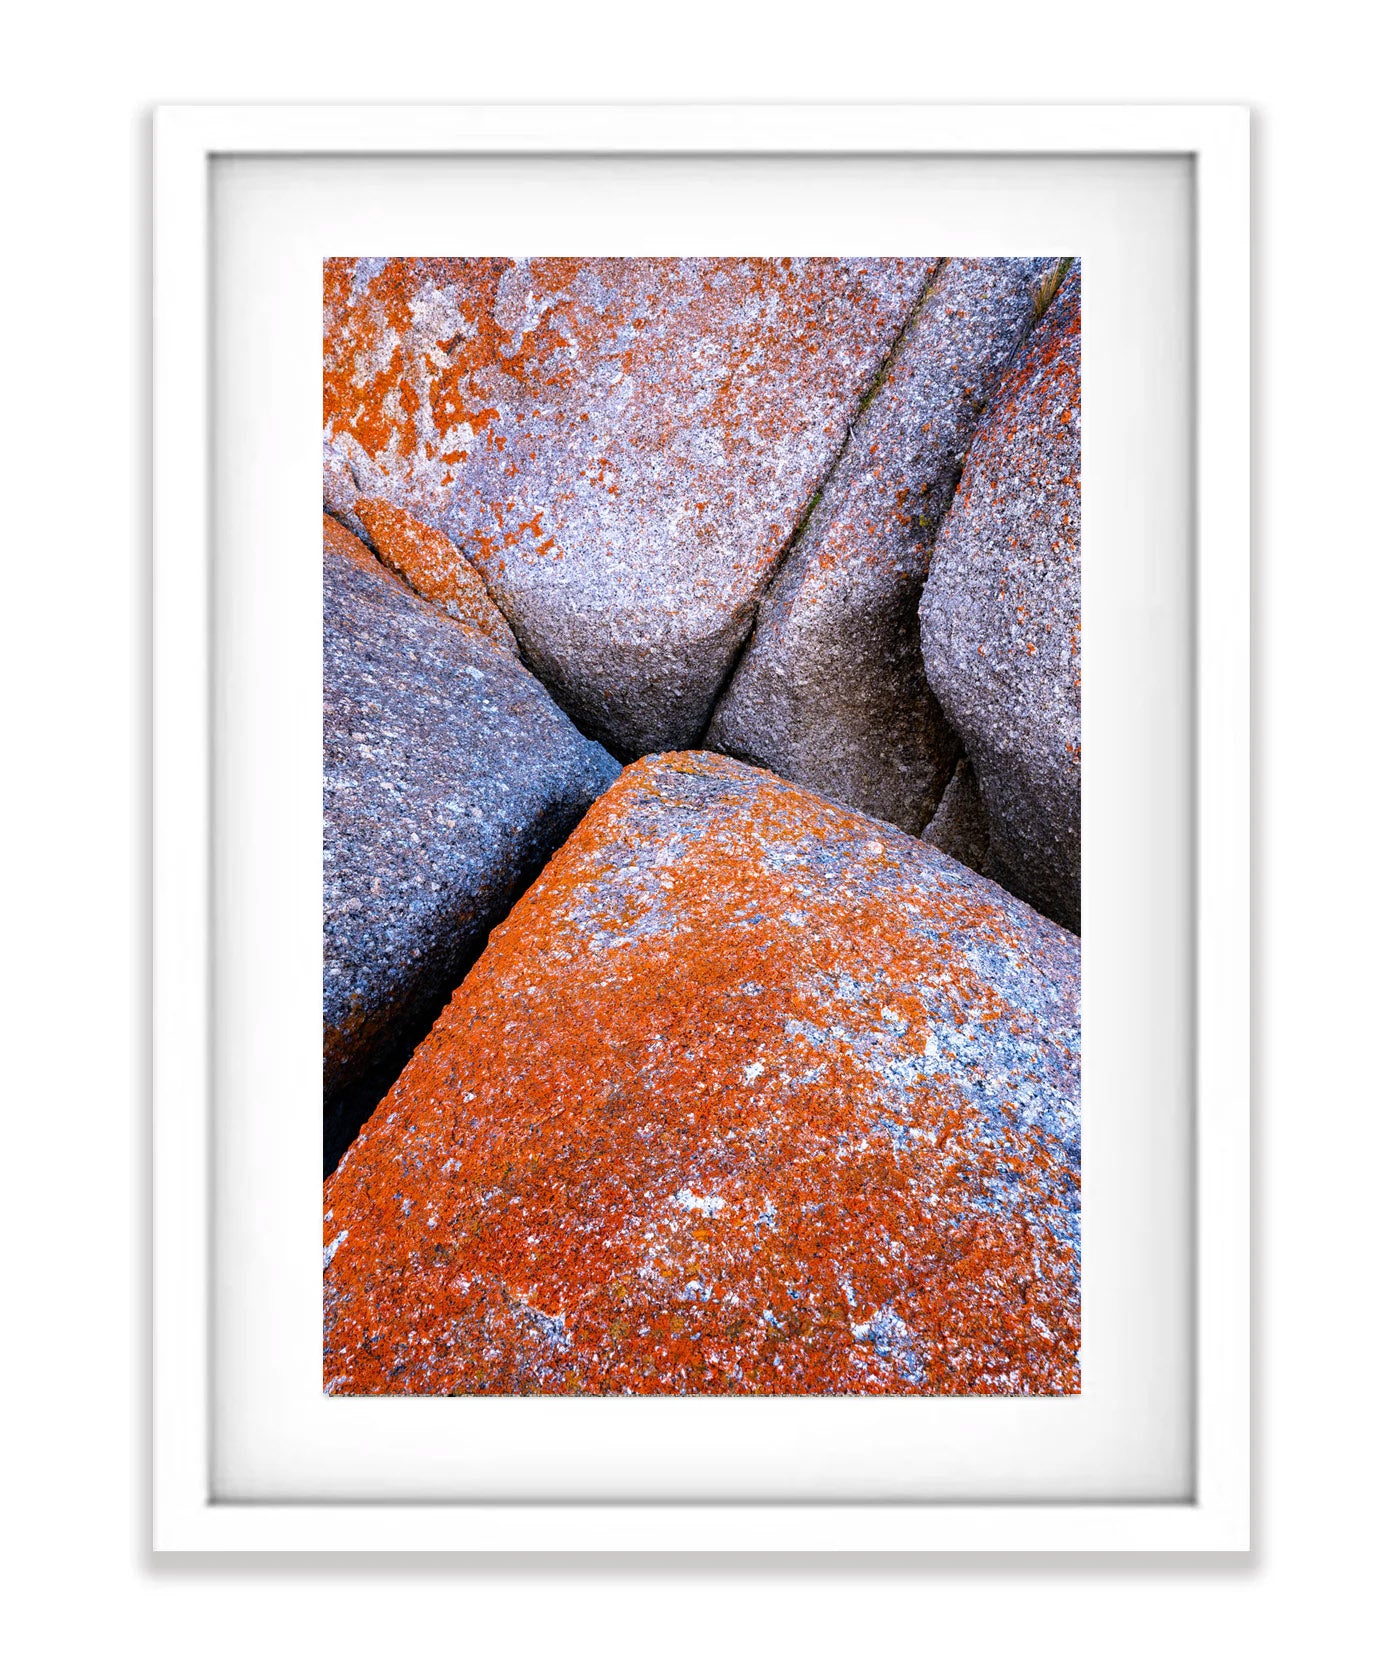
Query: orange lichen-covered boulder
pixel 831 691
pixel 621 445
pixel 749 1094
pixel 1000 615
pixel 432 567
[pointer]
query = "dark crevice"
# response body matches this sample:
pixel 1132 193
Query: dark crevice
pixel 882 372
pixel 345 525
pixel 344 1111
pixel 588 730
pixel 768 585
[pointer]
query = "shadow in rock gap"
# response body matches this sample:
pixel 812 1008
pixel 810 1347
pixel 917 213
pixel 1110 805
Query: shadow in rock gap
pixel 345 1110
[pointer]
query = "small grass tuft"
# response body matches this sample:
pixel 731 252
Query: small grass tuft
pixel 1048 284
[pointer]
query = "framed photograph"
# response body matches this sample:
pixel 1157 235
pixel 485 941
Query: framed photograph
pixel 702 886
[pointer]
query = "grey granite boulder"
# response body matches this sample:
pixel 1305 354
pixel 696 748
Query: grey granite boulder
pixel 450 778
pixel 831 691
pixel 620 446
pixel 1000 615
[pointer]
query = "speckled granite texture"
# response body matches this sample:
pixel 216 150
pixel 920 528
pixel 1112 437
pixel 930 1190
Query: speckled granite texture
pixel 1001 618
pixel 831 692
pixel 749 1094
pixel 450 777
pixel 621 446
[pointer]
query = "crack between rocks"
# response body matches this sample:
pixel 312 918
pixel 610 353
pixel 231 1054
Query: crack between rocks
pixel 368 542
pixel 519 655
pixel 804 519
pixel 343 1115
pixel 485 581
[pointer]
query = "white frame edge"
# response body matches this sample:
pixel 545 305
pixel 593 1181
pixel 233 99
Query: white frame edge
pixel 187 138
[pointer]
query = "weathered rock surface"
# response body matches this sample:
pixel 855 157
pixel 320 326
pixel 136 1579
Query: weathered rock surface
pixel 339 492
pixel 1000 615
pixel 450 777
pixel 621 446
pixel 748 1094
pixel 959 825
pixel 433 568
pixel 831 691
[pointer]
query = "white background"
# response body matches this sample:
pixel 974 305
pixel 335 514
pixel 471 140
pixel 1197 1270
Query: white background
pixel 73 408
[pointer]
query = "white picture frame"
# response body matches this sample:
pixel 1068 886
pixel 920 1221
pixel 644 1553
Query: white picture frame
pixel 187 1515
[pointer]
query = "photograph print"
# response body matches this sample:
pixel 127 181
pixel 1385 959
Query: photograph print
pixel 701 686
